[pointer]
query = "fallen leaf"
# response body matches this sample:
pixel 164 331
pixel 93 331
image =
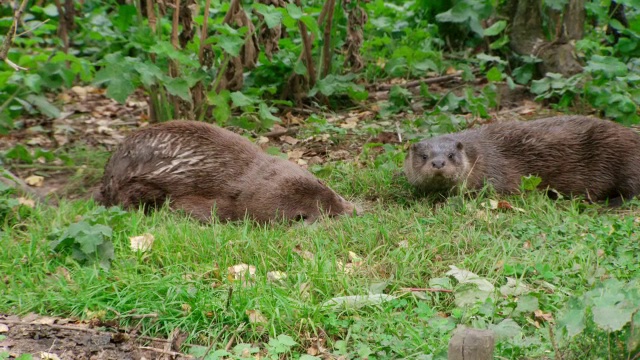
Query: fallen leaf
pixel 358 301
pixel 451 70
pixel 526 245
pixel 239 272
pixel 256 317
pixel 61 271
pixel 403 244
pixel 295 155
pixel 262 140
pixel 186 308
pixel 26 202
pixel 305 254
pixel 80 91
pixel 274 276
pixel 34 180
pixel 48 356
pixel 289 140
pixel 600 252
pixel 44 320
pixel 539 314
pixel 141 243
pixel 350 123
pixel 3 328
pixel 354 257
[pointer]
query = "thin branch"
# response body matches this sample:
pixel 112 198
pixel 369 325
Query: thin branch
pixel 326 48
pixel 8 40
pixel 306 50
pixel 203 33
pixel 161 351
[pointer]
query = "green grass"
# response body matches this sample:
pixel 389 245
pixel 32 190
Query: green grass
pixel 557 248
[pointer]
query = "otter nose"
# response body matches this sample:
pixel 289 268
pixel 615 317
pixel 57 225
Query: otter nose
pixel 438 164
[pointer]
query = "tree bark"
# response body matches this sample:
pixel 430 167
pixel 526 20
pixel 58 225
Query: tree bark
pixel 527 36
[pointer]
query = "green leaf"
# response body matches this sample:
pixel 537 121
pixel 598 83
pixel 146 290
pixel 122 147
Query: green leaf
pixel 294 11
pixel 222 110
pixel 613 317
pixel 527 304
pixel 300 68
pixel 239 99
pixel 286 340
pixel 530 182
pixel 607 65
pixel 495 29
pixel 42 104
pixel 506 329
pixel 494 74
pixel 119 89
pixel 272 17
pixel 149 73
pixel 266 117
pixel 178 87
pixel 573 319
pixel 231 44
pixel 311 23
pixel 21 153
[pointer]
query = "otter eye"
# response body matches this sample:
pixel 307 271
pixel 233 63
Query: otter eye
pixel 451 156
pixel 424 157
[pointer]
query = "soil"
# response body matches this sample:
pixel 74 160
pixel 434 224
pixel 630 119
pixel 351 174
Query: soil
pixel 65 339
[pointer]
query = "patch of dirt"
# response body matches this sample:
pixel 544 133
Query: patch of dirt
pixel 65 339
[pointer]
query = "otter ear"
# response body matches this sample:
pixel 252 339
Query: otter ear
pixel 459 146
pixel 413 147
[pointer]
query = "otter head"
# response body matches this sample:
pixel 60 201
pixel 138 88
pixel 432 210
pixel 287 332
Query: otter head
pixel 437 164
pixel 303 198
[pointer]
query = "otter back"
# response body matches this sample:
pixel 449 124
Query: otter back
pixel 199 167
pixel 574 155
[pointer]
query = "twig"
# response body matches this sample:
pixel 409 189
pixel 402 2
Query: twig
pixel 53 326
pixel 326 48
pixel 414 83
pixel 166 352
pixel 8 40
pixel 553 342
pixel 306 50
pixel 203 32
pixel 276 133
pixel 427 290
pixel 398 132
pixel 214 341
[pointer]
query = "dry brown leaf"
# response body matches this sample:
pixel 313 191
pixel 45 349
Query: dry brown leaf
pixel 80 91
pixel 350 123
pixel 289 140
pixel 262 140
pixel 540 315
pixel 26 202
pixel 141 243
pixel 302 162
pixel 62 271
pixel 295 155
pixel 353 257
pixel 274 276
pixel 34 180
pixel 243 272
pixel 600 253
pixel 451 70
pixel 526 245
pixel 49 356
pixel 256 317
pixel 403 244
pixel 186 308
pixel 44 320
pixel 3 328
pixel 305 254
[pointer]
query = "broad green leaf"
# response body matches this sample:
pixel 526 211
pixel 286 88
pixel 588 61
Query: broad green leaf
pixel 119 89
pixel 573 319
pixel 494 74
pixel 178 87
pixel 609 66
pixel 239 99
pixel 266 117
pixel 294 11
pixel 272 17
pixel 506 329
pixel 43 105
pixel 149 72
pixel 222 110
pixel 231 44
pixel 286 340
pixel 527 304
pixel 612 318
pixel 514 287
pixel 495 29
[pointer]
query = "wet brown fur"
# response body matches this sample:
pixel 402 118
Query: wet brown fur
pixel 199 167
pixel 575 155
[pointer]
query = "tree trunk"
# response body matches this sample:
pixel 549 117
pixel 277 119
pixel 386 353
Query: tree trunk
pixel 527 35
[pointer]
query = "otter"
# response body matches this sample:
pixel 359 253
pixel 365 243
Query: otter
pixel 574 155
pixel 200 167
